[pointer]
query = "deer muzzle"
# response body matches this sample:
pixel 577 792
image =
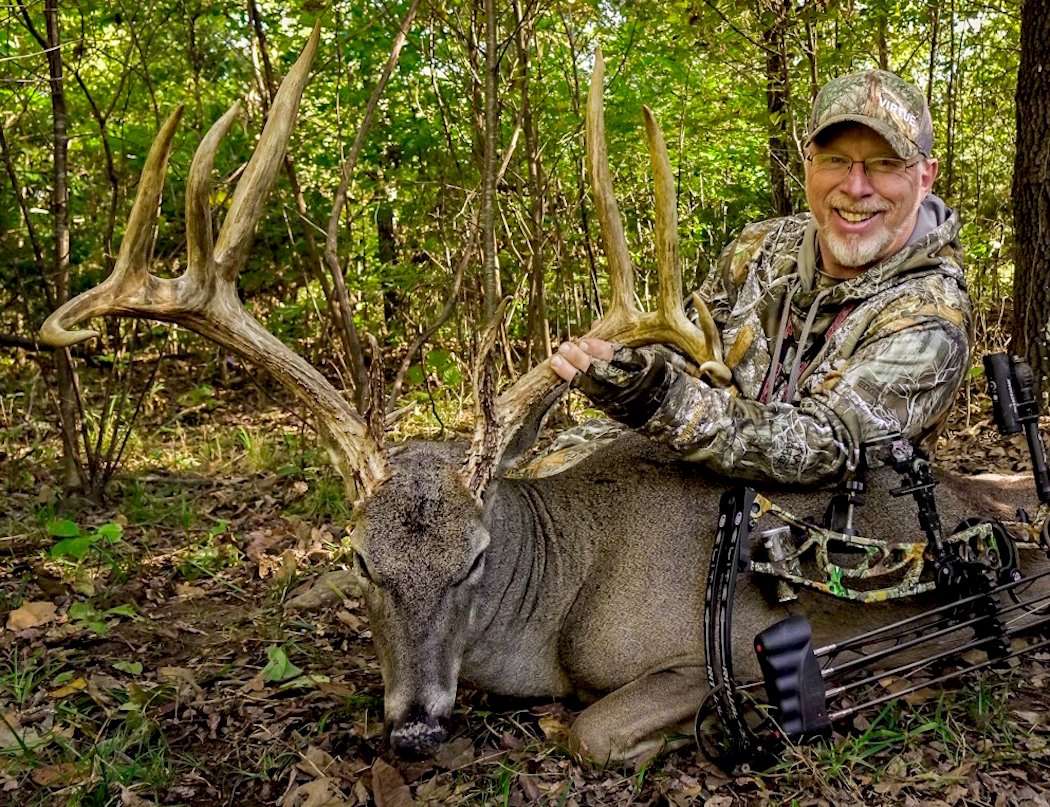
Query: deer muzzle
pixel 420 733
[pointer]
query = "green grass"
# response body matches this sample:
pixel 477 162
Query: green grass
pixel 22 672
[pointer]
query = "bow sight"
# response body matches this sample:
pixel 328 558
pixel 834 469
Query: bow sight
pixel 974 571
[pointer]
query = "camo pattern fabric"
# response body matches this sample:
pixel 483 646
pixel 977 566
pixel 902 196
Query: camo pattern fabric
pixel 881 100
pixel 892 364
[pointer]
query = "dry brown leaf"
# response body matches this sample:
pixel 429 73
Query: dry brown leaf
pixel 315 762
pixel 287 569
pixel 554 728
pixel 32 614
pixel 13 736
pixel 130 799
pixel 920 696
pixel 60 774
pixel 186 591
pixel 322 792
pixel 457 753
pixel 532 792
pixel 328 589
pixel 434 790
pixel 1035 718
pixel 352 621
pixel 259 541
pixel 183 678
pixel 388 788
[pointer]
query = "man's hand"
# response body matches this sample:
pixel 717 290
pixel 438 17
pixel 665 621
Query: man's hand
pixel 628 384
pixel 572 358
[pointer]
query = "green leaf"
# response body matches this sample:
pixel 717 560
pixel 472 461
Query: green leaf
pixel 127 609
pixel 279 668
pixel 438 359
pixel 74 548
pixel 62 528
pixel 110 532
pixel 130 667
pixel 82 610
pixel 307 681
pixel 96 626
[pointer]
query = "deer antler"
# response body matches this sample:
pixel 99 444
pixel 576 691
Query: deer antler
pixel 204 299
pixel 500 441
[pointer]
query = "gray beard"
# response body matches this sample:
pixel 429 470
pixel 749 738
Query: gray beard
pixel 853 252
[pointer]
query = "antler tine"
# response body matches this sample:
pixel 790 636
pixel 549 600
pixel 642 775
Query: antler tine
pixel 199 241
pixel 666 218
pixel 130 276
pixel 669 322
pixel 617 257
pixel 235 238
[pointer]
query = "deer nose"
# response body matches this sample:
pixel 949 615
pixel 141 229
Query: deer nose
pixel 418 735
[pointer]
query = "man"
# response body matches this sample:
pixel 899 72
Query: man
pixel 840 326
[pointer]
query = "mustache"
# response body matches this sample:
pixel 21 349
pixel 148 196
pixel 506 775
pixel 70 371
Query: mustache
pixel 842 202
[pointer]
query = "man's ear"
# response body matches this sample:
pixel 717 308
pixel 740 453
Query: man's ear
pixel 931 168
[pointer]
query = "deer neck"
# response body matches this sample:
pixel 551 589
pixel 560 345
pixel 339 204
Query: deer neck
pixel 530 583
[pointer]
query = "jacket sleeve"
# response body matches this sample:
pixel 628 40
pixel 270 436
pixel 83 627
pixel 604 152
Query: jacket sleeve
pixel 897 381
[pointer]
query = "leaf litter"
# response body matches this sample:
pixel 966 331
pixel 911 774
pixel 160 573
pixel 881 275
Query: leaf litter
pixel 238 669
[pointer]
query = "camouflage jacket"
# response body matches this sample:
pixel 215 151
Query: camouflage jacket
pixel 881 353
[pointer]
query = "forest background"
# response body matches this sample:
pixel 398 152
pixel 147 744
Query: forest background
pixel 437 165
pixel 449 201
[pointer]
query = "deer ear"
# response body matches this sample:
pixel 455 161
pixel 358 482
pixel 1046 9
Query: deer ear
pixel 526 435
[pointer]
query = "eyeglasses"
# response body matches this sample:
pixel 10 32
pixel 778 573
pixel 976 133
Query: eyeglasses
pixel 838 166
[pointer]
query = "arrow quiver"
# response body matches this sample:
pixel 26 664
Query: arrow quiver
pixel 974 571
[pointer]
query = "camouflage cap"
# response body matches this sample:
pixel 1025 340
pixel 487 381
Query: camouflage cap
pixel 887 103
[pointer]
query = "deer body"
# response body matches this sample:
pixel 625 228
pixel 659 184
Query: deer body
pixel 593 588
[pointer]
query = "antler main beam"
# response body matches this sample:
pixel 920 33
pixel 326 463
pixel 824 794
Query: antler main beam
pixel 204 299
pixel 518 414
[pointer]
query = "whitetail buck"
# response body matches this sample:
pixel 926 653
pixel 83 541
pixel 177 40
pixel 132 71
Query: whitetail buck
pixel 589 583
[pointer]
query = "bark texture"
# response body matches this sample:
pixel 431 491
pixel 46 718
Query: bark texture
pixel 1031 193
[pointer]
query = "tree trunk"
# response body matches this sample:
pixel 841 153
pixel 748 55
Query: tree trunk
pixel 949 139
pixel 1031 193
pixel 537 335
pixel 580 171
pixel 313 253
pixel 935 19
pixel 489 268
pixel 777 108
pixel 386 240
pixel 331 251
pixel 72 469
pixel 884 45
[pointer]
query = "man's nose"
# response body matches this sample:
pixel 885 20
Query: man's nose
pixel 856 183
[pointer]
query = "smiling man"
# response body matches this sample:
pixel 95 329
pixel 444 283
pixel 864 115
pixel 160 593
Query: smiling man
pixel 840 326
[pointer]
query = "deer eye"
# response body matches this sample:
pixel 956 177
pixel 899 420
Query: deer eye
pixel 361 567
pixel 477 568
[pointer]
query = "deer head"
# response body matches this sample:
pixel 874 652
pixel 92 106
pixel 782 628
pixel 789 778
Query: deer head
pixel 419 533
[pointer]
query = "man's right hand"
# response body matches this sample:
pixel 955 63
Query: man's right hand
pixel 573 358
pixel 628 384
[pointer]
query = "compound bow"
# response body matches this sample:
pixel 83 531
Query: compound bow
pixel 974 570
